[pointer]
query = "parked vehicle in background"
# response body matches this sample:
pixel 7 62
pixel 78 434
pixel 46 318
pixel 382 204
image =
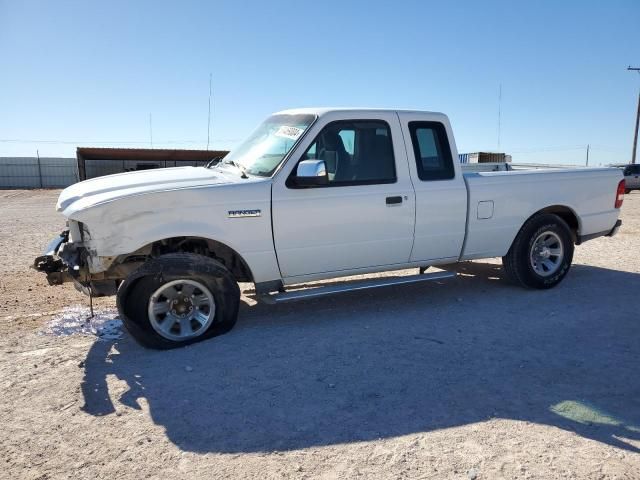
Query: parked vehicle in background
pixel 315 194
pixel 632 177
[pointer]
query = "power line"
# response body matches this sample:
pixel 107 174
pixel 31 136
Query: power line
pixel 115 142
pixel 545 149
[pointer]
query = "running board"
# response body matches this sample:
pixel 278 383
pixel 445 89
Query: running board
pixel 352 286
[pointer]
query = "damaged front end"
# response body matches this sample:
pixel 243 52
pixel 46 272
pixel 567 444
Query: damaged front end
pixel 69 258
pixel 63 261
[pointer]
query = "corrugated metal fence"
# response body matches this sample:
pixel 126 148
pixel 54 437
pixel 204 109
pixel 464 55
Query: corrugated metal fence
pixel 33 172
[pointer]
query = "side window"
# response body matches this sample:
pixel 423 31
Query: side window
pixel 431 149
pixel 358 152
pixel 348 137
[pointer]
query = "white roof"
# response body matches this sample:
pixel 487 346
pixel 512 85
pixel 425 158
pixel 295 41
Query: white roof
pixel 323 110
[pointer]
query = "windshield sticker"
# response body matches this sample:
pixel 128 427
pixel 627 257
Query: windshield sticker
pixel 289 132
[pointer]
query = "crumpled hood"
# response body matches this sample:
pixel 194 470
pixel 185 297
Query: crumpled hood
pixel 99 190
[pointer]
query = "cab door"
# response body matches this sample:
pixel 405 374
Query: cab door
pixel 363 217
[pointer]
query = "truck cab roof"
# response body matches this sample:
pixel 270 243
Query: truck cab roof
pixel 320 111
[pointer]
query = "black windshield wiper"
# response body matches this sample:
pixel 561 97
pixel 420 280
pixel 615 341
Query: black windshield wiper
pixel 213 162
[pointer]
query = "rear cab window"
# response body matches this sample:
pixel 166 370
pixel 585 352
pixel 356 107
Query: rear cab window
pixel 431 150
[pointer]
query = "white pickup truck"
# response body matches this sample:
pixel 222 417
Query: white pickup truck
pixel 315 194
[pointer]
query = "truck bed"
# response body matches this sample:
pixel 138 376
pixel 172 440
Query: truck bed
pixel 499 200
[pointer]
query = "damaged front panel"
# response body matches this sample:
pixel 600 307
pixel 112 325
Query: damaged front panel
pixel 62 261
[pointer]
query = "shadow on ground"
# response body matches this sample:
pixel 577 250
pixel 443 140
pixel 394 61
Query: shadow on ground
pixel 394 361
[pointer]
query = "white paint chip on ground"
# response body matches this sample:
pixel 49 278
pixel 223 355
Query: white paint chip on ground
pixel 75 320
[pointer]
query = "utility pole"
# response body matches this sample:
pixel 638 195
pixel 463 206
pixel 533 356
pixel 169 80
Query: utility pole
pixel 635 131
pixel 587 155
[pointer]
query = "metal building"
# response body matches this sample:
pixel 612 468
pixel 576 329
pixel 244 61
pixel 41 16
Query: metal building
pixel 95 162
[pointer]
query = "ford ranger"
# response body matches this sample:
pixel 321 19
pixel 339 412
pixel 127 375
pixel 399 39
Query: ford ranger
pixel 314 194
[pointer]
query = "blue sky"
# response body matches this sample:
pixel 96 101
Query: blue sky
pixel 90 73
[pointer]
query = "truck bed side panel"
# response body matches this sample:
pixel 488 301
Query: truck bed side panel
pixel 500 203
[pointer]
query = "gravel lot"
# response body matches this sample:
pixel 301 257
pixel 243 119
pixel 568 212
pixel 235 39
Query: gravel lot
pixel 467 378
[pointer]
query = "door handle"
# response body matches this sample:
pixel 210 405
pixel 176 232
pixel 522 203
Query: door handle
pixel 394 200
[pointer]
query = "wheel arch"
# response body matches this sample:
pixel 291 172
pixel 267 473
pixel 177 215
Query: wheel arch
pixel 565 213
pixel 208 247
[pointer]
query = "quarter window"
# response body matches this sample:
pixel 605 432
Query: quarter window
pixel 431 149
pixel 358 152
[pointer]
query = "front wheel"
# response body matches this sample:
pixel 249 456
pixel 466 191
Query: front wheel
pixel 178 299
pixel 541 254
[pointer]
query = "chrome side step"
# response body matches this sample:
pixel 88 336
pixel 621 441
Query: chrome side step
pixel 352 286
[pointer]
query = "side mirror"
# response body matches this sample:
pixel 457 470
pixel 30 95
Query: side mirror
pixel 311 173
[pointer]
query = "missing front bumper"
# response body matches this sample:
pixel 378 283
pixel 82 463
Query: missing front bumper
pixel 60 263
pixel 63 261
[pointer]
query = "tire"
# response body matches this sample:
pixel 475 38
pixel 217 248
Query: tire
pixel 205 294
pixel 541 253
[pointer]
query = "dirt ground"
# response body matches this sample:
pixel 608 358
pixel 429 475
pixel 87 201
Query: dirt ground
pixel 465 378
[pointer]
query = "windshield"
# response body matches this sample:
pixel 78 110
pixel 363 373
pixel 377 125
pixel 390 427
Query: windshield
pixel 264 150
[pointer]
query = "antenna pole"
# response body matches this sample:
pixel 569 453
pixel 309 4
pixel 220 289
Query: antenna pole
pixel 150 131
pixel 209 116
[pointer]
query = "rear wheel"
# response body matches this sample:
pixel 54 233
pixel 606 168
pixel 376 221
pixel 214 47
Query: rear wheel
pixel 178 299
pixel 541 254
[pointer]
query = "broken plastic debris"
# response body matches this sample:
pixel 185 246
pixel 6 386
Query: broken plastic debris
pixel 75 320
